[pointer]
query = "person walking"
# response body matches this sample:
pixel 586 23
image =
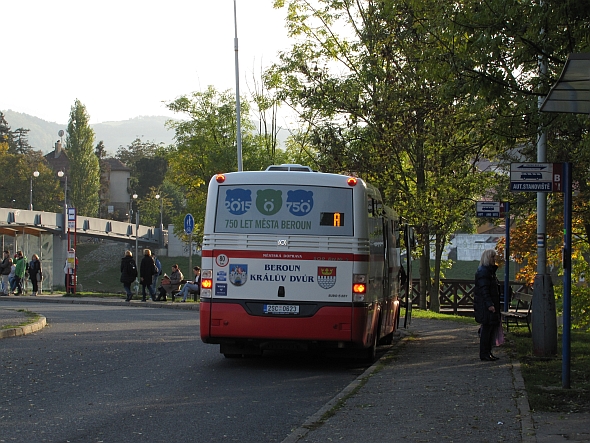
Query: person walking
pixel 192 286
pixel 19 272
pixel 11 276
pixel 147 270
pixel 128 273
pixel 35 273
pixel 486 303
pixel 155 277
pixel 5 267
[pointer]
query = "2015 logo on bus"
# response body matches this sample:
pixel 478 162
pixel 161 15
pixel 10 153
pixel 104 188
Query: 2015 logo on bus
pixel 238 201
pixel 238 274
pixel 326 277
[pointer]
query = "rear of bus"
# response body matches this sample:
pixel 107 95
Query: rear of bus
pixel 286 263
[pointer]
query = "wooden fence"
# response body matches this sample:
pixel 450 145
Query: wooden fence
pixel 456 296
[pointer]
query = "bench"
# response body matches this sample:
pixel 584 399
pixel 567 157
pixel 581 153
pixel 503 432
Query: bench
pixel 174 293
pixel 521 314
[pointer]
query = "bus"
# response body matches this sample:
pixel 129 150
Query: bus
pixel 298 260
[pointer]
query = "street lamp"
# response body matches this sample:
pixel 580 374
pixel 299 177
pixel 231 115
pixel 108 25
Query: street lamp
pixel 35 174
pixel 158 197
pixel 136 241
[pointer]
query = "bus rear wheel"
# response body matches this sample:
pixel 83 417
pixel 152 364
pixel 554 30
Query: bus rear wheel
pixel 371 352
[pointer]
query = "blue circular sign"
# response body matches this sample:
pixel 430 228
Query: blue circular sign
pixel 189 224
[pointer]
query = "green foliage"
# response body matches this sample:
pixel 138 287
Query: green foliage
pixel 370 85
pixel 148 165
pixel 15 188
pixel 84 172
pixel 206 145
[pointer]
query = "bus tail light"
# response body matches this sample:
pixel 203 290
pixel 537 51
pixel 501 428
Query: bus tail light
pixel 359 287
pixel 220 178
pixel 206 283
pixel 352 181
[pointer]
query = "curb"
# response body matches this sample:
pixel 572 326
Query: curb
pixel 87 301
pixel 24 330
pixel 527 427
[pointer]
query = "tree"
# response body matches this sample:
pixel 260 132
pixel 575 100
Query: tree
pixel 206 145
pixel 21 141
pixel 105 169
pixel 15 190
pixel 84 176
pixel 148 164
pixel 373 94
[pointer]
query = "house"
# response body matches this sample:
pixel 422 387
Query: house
pixel 116 176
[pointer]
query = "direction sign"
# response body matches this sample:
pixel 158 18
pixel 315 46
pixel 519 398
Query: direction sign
pixel 536 177
pixel 189 224
pixel 489 209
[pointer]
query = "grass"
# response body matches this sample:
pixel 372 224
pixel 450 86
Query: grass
pixel 31 317
pixel 96 278
pixel 542 376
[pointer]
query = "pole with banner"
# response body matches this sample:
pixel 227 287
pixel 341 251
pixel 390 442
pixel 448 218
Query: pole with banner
pixel 540 178
pixel 71 267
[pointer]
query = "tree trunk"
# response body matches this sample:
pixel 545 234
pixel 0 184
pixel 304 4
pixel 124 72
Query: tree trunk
pixel 435 289
pixel 424 268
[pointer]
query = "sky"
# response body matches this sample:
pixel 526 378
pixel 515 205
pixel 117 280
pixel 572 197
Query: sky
pixel 124 59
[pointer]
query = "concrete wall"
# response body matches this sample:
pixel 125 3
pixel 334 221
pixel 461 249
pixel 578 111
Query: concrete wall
pixel 177 247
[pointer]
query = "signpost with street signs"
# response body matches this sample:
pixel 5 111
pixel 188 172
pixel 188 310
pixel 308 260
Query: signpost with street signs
pixel 490 209
pixel 536 177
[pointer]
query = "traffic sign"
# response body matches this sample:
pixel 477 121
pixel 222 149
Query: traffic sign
pixel 536 177
pixel 489 209
pixel 189 224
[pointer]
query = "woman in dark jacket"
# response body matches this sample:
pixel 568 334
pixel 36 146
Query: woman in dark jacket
pixel 128 273
pixel 147 269
pixel 35 273
pixel 487 303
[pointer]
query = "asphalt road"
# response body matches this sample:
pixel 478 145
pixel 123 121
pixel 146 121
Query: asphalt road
pixel 121 374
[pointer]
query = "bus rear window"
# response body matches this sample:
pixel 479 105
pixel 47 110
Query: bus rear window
pixel 284 209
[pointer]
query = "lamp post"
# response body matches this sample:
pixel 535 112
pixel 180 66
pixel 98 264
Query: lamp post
pixel 161 198
pixel 35 174
pixel 136 242
pixel 61 174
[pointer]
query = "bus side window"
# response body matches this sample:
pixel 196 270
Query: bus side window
pixel 371 206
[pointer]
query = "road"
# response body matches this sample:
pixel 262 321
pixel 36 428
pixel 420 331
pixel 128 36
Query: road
pixel 115 373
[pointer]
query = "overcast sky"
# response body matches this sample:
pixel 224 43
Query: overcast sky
pixel 124 58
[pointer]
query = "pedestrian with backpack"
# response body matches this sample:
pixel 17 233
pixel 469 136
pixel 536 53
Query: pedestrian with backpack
pixel 155 278
pixel 128 273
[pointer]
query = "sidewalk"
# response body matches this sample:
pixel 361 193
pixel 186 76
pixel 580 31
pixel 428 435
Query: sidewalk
pixel 430 387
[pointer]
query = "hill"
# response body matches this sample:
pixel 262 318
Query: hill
pixel 43 134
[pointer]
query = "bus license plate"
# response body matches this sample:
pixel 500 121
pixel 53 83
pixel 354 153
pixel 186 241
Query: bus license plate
pixel 281 309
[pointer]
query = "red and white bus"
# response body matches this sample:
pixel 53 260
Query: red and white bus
pixel 296 259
